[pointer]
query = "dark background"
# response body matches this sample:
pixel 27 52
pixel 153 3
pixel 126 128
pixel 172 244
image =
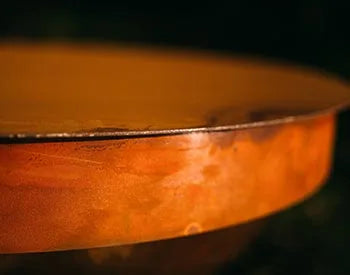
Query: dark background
pixel 312 238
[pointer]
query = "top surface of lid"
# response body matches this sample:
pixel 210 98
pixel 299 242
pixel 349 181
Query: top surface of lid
pixel 77 90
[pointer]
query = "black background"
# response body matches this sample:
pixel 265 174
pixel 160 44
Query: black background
pixel 312 238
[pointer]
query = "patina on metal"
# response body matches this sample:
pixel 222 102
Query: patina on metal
pixel 104 146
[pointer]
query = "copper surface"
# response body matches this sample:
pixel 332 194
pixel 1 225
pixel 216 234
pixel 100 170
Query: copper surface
pixel 104 146
pixel 76 90
pixel 199 254
pixel 83 194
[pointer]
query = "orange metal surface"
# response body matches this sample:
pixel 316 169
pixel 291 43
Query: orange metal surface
pixel 104 146
pixel 98 193
pixel 197 254
pixel 66 90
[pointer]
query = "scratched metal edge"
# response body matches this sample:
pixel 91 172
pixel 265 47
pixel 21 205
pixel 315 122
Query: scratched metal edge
pixel 128 134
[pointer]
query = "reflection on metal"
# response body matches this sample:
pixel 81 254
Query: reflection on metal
pixel 116 146
pixel 198 254
pixel 63 91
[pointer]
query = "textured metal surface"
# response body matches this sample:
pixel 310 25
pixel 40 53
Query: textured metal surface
pixel 104 146
pixel 69 195
pixel 198 254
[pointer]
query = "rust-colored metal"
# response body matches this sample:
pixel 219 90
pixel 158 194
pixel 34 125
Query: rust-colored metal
pixel 100 193
pixel 221 167
pixel 198 254
pixel 67 91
